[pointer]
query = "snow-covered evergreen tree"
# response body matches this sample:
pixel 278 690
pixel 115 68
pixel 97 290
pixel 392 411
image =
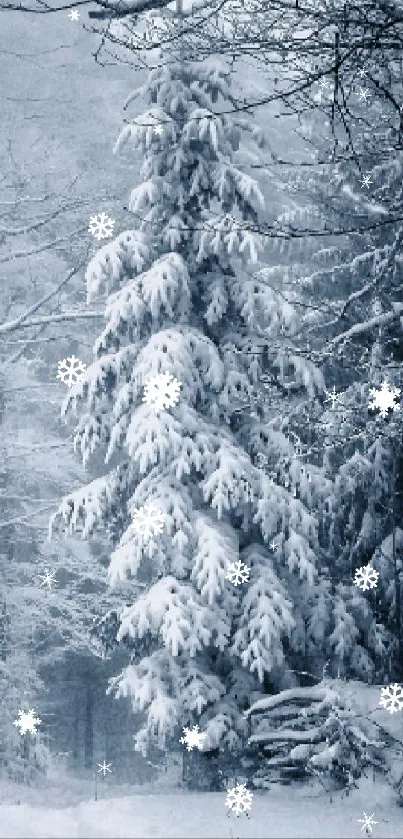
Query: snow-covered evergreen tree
pixel 186 296
pixel 348 292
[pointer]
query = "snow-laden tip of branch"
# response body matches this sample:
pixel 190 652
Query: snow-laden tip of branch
pixel 368 325
pixel 269 702
pixel 312 735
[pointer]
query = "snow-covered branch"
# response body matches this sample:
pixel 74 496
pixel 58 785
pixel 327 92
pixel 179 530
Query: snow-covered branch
pixel 311 735
pixel 303 694
pixel 15 324
pixel 367 326
pixel 47 246
pixel 12 325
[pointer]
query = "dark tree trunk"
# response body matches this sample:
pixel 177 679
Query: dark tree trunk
pixel 89 729
pixel 76 727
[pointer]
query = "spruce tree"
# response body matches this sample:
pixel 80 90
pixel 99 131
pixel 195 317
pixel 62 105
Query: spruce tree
pixel 186 295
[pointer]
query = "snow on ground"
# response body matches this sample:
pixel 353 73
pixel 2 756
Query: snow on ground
pixel 63 806
pixel 280 813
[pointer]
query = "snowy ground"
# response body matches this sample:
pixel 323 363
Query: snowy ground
pixel 280 812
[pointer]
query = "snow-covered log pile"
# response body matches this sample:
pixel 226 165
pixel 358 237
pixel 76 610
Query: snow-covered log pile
pixel 307 731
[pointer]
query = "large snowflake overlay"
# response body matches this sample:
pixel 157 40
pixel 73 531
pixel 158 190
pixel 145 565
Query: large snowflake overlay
pixel 27 721
pixel 101 226
pixel 384 399
pixel 239 799
pixel 192 738
pixel 71 370
pixel 162 392
pixel 392 698
pixel 237 572
pixel 366 577
pixel 367 822
pixel 148 521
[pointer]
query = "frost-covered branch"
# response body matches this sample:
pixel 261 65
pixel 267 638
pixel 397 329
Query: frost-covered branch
pixel 11 326
pixel 367 326
pixel 45 247
pixel 15 324
pixel 269 702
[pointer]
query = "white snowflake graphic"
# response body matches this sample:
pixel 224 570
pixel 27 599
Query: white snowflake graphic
pixel 384 399
pixel 148 521
pixel 162 392
pixel 366 181
pixel 27 721
pixel 104 768
pixel 48 578
pixel 101 226
pixel 392 698
pixel 367 822
pixel 192 738
pixel 239 799
pixel 237 572
pixel 366 577
pixel 74 15
pixel 363 94
pixel 71 370
pixel 158 129
pixel 332 396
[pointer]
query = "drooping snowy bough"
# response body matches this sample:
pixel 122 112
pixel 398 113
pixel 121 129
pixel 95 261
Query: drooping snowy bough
pixel 309 731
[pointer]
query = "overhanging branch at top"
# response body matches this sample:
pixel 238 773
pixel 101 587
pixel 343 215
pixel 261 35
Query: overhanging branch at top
pixel 116 9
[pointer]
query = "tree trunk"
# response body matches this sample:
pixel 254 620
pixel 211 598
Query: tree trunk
pixel 76 727
pixel 89 729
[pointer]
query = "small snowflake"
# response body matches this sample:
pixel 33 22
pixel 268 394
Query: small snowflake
pixel 332 396
pixel 158 129
pixel 237 573
pixel 148 521
pixel 48 578
pixel 367 822
pixel 363 94
pixel 366 181
pixel 392 698
pixel 239 799
pixel 366 577
pixel 273 545
pixel 101 226
pixel 71 370
pixel 362 73
pixel 384 399
pixel 27 721
pixel 104 768
pixel 74 15
pixel 162 392
pixel 192 738
pixel 323 84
